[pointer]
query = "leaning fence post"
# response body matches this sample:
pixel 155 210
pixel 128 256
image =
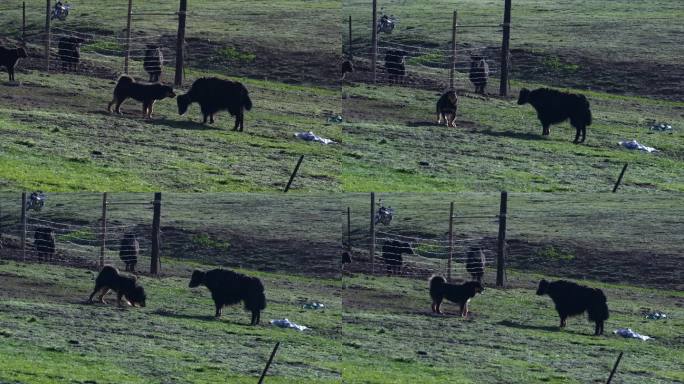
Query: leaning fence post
pixel 268 364
pixel 501 245
pixel 127 58
pixel 180 40
pixel 453 52
pixel 103 228
pixel 619 180
pixel 451 239
pixel 156 242
pixel 23 226
pixel 614 368
pixel 294 173
pixel 372 232
pixel 48 35
pixel 505 47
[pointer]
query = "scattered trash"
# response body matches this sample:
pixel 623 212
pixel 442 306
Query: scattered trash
pixel 285 323
pixel 655 315
pixel 663 127
pixel 310 136
pixel 335 119
pixel 627 332
pixel 313 305
pixel 633 144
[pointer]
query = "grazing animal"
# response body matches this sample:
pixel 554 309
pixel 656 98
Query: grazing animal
pixel 213 95
pixel 148 94
pixel 395 64
pixel 479 72
pixel 9 58
pixel 228 288
pixel 347 67
pixel 573 299
pixel 447 105
pixel 456 293
pixel 153 62
pixel 129 250
pixel 346 257
pixel 475 263
pixel 555 107
pixel 391 254
pixel 124 286
pixel 69 52
pixel 44 241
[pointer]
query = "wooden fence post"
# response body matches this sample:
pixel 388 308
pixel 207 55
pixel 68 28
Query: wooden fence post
pixel 350 53
pixel 23 23
pixel 374 39
pixel 180 42
pixel 505 48
pixel 619 180
pixel 501 246
pixel 48 34
pixel 156 242
pixel 349 240
pixel 294 173
pixel 453 52
pixel 23 225
pixel 610 378
pixel 103 228
pixel 127 58
pixel 451 240
pixel 268 364
pixel 372 232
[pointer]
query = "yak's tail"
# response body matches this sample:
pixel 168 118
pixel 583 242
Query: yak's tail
pixel 255 299
pixel 585 110
pixel 598 309
pixel 436 284
pixel 248 101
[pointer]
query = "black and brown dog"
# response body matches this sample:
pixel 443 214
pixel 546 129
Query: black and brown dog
pixel 124 286
pixel 148 94
pixel 447 105
pixel 573 299
pixel 457 293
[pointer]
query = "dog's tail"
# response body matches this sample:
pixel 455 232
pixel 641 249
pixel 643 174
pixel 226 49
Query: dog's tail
pixel 124 80
pixel 436 284
pixel 598 308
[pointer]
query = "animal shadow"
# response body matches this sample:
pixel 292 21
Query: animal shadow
pixel 512 134
pixel 175 315
pixel 422 124
pixel 512 324
pixel 184 124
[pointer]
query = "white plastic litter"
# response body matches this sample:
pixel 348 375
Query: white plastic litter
pixel 313 305
pixel 627 332
pixel 310 136
pixel 633 144
pixel 285 323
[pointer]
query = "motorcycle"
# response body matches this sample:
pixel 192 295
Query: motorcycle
pixel 36 201
pixel 384 214
pixel 386 23
pixel 61 11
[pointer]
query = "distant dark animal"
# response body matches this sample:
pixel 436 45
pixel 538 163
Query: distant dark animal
pixel 228 288
pixel 69 52
pixel 555 107
pixel 479 73
pixel 44 241
pixel 213 95
pixel 447 105
pixel 475 263
pixel 124 286
pixel 456 293
pixel 129 250
pixel 347 67
pixel 573 299
pixel 391 254
pixel 148 94
pixel 395 64
pixel 153 62
pixel 346 257
pixel 9 58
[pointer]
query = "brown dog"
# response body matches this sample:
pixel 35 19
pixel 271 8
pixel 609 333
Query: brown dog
pixel 148 94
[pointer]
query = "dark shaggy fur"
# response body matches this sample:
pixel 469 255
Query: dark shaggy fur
pixel 44 241
pixel 456 293
pixel 213 95
pixel 153 62
pixel 347 67
pixel 124 286
pixel 148 94
pixel 228 288
pixel 447 105
pixel 475 263
pixel 391 254
pixel 555 107
pixel 573 299
pixel 69 52
pixel 9 58
pixel 395 64
pixel 129 250
pixel 479 72
pixel 346 257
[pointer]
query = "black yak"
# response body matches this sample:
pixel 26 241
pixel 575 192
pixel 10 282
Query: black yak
pixel 9 58
pixel 129 250
pixel 69 52
pixel 347 67
pixel 44 241
pixel 395 64
pixel 475 263
pixel 148 94
pixel 228 288
pixel 555 107
pixel 153 62
pixel 479 72
pixel 391 254
pixel 213 95
pixel 447 106
pixel 573 299
pixel 456 293
pixel 110 279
